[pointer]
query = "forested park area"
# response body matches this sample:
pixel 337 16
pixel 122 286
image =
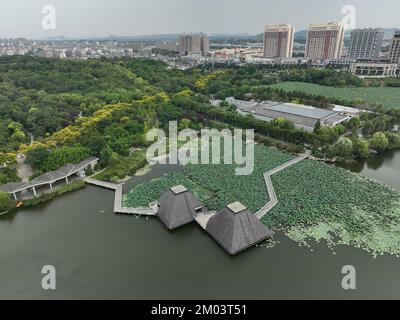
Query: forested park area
pixel 59 111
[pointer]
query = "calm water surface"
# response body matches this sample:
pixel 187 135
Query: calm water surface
pixel 101 255
pixel 384 168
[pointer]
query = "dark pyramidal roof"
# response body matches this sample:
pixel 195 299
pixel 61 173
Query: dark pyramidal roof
pixel 177 207
pixel 236 228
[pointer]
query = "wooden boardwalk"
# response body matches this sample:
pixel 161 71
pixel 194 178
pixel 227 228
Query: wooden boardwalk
pixel 102 184
pixel 118 208
pixel 270 187
pixel 151 211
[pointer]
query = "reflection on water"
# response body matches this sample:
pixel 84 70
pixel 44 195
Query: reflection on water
pixel 383 167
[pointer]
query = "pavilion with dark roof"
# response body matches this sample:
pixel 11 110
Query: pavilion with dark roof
pixel 235 228
pixel 49 178
pixel 178 207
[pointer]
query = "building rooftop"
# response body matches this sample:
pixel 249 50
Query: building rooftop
pixel 301 110
pixel 260 108
pixel 62 172
pixel 178 189
pixel 236 207
pixel 236 229
pixel 48 177
pixel 13 187
pixel 177 207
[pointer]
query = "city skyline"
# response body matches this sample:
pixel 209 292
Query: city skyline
pixel 154 17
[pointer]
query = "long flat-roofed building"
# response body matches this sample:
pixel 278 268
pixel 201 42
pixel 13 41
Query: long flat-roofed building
pixel 302 116
pixel 325 41
pixel 374 68
pixel 278 41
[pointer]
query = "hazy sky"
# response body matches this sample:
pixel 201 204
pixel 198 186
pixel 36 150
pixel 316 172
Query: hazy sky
pixel 23 18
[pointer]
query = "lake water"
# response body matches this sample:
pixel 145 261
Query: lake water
pixel 384 168
pixel 101 255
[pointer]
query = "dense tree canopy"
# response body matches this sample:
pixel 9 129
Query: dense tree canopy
pixel 59 111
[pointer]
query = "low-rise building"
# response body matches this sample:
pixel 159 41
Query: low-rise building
pixel 278 61
pixel 374 68
pixel 302 116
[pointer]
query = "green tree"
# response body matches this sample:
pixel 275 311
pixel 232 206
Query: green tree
pixel 379 142
pixel 317 126
pixel 344 147
pixel 37 157
pixel 184 124
pixel 368 129
pixel 394 140
pixel 65 155
pixel 353 124
pixel 361 148
pixel 6 203
pixel 95 143
pixel 105 157
pixel 283 123
pixel 15 126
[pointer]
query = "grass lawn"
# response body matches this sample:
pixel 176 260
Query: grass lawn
pixel 388 97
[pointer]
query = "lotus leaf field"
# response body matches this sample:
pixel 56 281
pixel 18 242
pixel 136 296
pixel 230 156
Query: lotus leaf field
pixel 316 201
pixel 218 183
pixel 325 202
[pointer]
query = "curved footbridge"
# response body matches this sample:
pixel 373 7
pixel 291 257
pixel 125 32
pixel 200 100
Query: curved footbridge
pixel 152 210
pixel 118 208
pixel 270 187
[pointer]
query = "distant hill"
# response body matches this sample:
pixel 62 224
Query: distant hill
pixel 300 36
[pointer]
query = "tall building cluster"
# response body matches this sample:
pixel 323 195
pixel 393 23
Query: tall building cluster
pixel 325 45
pixel 324 41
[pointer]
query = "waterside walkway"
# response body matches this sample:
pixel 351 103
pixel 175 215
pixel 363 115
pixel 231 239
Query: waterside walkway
pixel 118 208
pixel 49 179
pixel 152 210
pixel 270 187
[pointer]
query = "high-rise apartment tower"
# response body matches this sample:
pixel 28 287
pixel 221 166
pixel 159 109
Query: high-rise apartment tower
pixel 278 41
pixel 366 43
pixel 324 41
